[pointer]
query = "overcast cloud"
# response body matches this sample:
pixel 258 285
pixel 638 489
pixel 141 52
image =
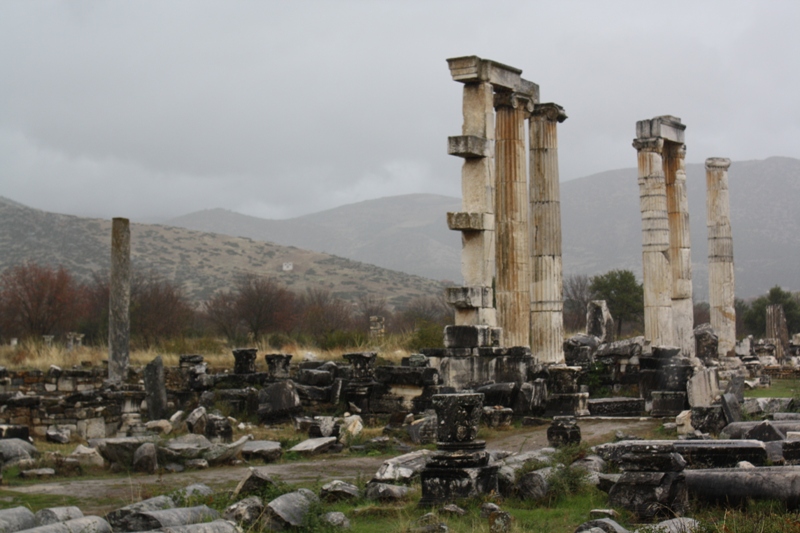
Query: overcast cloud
pixel 277 109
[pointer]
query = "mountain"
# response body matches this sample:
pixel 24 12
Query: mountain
pixel 201 262
pixel 601 227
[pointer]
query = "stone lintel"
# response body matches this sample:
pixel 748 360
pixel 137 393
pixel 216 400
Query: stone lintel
pixel 721 163
pixel 468 146
pixel 529 89
pixel 463 221
pixel 473 69
pixel 550 111
pixel 469 297
pixel 665 127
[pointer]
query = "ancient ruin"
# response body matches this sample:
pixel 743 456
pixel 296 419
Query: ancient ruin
pixel 119 328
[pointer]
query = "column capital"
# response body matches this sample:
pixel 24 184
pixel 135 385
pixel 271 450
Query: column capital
pixel 550 111
pixel 721 163
pixel 514 100
pixel 654 144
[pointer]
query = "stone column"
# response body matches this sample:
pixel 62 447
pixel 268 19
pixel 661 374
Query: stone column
pixel 119 328
pixel 547 298
pixel 721 283
pixel 680 247
pixel 656 270
pixel 777 331
pixel 473 302
pixel 512 289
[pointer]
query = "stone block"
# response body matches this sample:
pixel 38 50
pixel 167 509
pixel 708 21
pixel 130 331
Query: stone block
pixel 472 69
pixel 468 336
pixel 668 403
pixel 468 146
pixel 731 408
pixel 469 297
pixel 703 388
pixel 708 419
pixel 666 127
pixel 765 432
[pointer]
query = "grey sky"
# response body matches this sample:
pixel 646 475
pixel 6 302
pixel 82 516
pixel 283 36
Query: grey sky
pixel 277 109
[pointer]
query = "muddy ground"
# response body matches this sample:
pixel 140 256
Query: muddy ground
pixel 104 494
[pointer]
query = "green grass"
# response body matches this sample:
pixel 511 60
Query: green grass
pixel 781 388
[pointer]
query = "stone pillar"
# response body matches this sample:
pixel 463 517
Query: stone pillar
pixel 547 298
pixel 156 389
pixel 278 365
pixel 512 279
pixel 119 328
pixel 473 302
pixel 721 283
pixel 777 330
pixel 680 247
pixel 244 360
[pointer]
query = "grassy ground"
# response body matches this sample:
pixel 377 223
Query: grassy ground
pixel 781 388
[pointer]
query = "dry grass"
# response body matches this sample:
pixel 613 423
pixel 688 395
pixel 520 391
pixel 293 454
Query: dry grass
pixel 31 354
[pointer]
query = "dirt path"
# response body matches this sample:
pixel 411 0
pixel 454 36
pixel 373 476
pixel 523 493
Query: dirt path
pixel 103 495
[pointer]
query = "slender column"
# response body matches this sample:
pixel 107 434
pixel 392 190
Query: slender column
pixel 473 302
pixel 511 225
pixel 119 330
pixel 547 299
pixel 656 270
pixel 680 247
pixel 721 283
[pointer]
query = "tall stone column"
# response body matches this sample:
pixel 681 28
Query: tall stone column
pixel 473 302
pixel 656 270
pixel 119 328
pixel 547 301
pixel 721 282
pixel 680 247
pixel 512 291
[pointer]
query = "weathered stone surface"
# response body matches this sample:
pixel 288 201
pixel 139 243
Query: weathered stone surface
pixel 599 322
pixel 87 456
pixel 668 403
pixel 452 509
pixel 120 449
pixel 193 491
pixel 14 431
pixel 255 482
pixel 196 464
pixel 314 446
pixel 15 450
pixel 706 343
pixel 731 408
pixel 223 453
pixel 403 468
pixel 616 406
pixel 501 522
pixel 385 491
pixel 117 517
pixel 278 401
pixel 533 485
pixel 339 490
pixel 652 462
pixel 498 416
pixel 681 524
pixel 703 388
pixel 606 525
pixel 265 450
pixel 37 473
pixel 245 511
pixel 155 388
pixel 737 430
pixel 119 329
pixel 423 431
pixel 563 431
pixel 86 524
pixel 59 435
pixel 218 428
pixel 52 515
pixel 196 421
pixel 145 458
pixel 732 485
pixel 351 427
pixel 766 406
pixel 244 360
pixel 216 526
pixel 650 494
pixel 708 419
pixel 16 519
pixel 336 519
pixel 162 427
pixel 180 516
pixel 289 510
pixel 765 432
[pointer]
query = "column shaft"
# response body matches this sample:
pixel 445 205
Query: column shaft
pixel 721 282
pixel 680 247
pixel 656 270
pixel 511 222
pixel 119 329
pixel 547 319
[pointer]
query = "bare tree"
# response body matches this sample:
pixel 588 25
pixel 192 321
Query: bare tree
pixel 370 305
pixel 159 309
pixel 577 296
pixel 323 313
pixel 222 313
pixel 264 306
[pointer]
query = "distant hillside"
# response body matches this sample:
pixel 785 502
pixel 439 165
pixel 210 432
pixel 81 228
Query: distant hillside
pixel 201 262
pixel 601 227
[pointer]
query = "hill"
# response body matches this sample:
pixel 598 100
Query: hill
pixel 201 262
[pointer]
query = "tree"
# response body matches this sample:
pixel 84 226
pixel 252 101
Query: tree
pixel 38 300
pixel 264 306
pixel 159 309
pixel 370 305
pixel 623 294
pixel 576 298
pixel 222 313
pixel 323 314
pixel 755 318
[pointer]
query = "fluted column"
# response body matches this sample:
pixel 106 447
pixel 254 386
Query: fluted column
pixel 680 247
pixel 512 292
pixel 656 270
pixel 547 303
pixel 119 329
pixel 721 282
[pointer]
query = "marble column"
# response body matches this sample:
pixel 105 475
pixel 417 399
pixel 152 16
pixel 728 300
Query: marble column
pixel 680 247
pixel 721 282
pixel 656 270
pixel 512 290
pixel 547 302
pixel 119 328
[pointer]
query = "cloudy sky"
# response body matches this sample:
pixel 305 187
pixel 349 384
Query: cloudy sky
pixel 154 109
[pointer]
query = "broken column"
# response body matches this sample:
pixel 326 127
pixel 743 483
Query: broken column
pixel 512 290
pixel 244 360
pixel 359 388
pixel 460 467
pixel 547 303
pixel 680 247
pixel 278 365
pixel 119 330
pixel 777 330
pixel 155 389
pixel 721 283
pixel 656 269
pixel 473 302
